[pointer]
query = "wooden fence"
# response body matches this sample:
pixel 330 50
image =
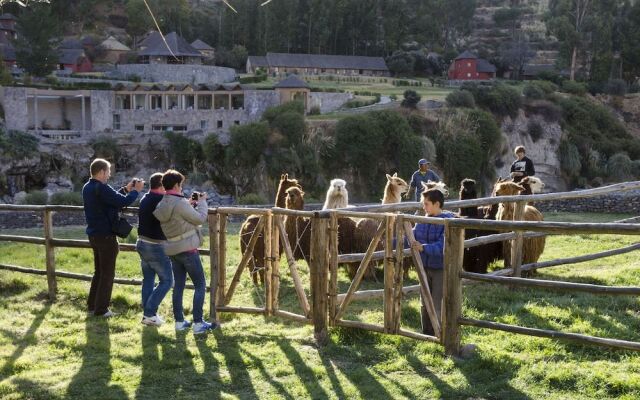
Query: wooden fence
pixel 326 307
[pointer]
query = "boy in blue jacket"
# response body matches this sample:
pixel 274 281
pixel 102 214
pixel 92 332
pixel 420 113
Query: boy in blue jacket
pixel 429 241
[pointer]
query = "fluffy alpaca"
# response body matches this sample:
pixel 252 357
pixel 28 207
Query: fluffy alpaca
pixel 337 195
pixel 256 263
pixel 477 259
pixel 436 185
pixel 531 185
pixel 394 189
pixel 298 228
pixel 532 247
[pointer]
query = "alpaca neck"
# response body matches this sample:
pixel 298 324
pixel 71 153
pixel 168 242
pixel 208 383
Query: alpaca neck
pixel 390 196
pixel 507 211
pixel 281 197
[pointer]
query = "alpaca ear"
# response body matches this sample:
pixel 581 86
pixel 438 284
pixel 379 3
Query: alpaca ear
pixel 520 188
pixel 395 175
pixel 286 176
pixel 425 186
pixel 388 177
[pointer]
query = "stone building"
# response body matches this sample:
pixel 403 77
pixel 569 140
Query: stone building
pixel 172 50
pixel 112 51
pixel 313 64
pixel 207 51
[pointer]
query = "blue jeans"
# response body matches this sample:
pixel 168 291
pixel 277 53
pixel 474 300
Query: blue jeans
pixel 183 264
pixel 154 262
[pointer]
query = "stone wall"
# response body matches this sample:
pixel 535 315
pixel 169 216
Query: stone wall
pixel 192 119
pixel 14 103
pixel 623 202
pixel 257 101
pixel 102 103
pixel 191 74
pixel 328 102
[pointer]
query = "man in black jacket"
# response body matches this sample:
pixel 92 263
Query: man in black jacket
pixel 101 206
pixel 521 167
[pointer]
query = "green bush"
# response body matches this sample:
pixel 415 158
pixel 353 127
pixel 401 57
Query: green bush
pixel 105 147
pixel 36 197
pixel 411 99
pixel 575 88
pixel 504 100
pixel 252 199
pixel 616 87
pixel 66 198
pixel 291 126
pixel 246 145
pixel 569 159
pixel 186 153
pixel 315 110
pixel 620 168
pixel 17 144
pixel 294 106
pixel 533 92
pixel 547 109
pixel 535 130
pixel 460 98
pixel 253 79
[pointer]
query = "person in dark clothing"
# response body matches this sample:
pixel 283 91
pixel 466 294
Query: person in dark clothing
pixel 523 166
pixel 423 174
pixel 153 260
pixel 101 206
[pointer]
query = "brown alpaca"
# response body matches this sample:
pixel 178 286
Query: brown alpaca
pixel 298 228
pixel 256 263
pixel 366 228
pixel 532 247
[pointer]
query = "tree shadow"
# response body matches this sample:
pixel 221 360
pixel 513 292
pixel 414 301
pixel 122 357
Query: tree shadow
pixel 34 391
pixel 24 342
pixel 306 374
pixel 12 288
pixel 93 376
pixel 240 377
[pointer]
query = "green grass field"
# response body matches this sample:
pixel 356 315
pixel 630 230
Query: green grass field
pixel 53 350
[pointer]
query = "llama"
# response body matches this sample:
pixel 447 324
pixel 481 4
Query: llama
pixel 532 247
pixel 436 185
pixel 257 259
pixel 298 228
pixel 477 259
pixel 337 195
pixel 532 185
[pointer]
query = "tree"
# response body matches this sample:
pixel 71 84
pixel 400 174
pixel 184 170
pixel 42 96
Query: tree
pixel 516 54
pixel 411 99
pixel 37 38
pixel 139 19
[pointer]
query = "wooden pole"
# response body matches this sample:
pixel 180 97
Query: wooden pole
pixel 389 274
pixel 452 289
pixel 333 268
pixel 50 255
pixel 222 260
pixel 248 253
pixel 267 264
pixel 275 264
pixel 293 269
pixel 398 274
pixel 214 259
pixel 318 265
pixel 516 244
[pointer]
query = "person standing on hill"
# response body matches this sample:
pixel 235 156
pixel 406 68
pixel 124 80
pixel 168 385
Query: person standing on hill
pixel 101 207
pixel 423 174
pixel 522 166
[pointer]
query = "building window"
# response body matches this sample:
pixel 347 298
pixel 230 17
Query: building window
pixel 203 125
pixel 219 124
pixel 204 102
pixel 236 122
pixel 116 122
pixel 169 128
pixel 139 128
pixel 237 101
pixel 188 102
pixel 221 101
pixel 156 102
pixel 139 101
pixel 172 102
pixel 123 102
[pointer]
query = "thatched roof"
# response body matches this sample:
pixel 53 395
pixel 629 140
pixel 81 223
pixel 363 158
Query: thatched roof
pixel 113 44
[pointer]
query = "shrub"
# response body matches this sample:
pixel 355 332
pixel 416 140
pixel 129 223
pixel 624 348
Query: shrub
pixel 291 126
pixel 17 144
pixel 252 199
pixel 620 167
pixel 411 99
pixel 294 106
pixel 546 86
pixel 186 153
pixel 460 98
pixel 569 159
pixel 575 88
pixel 550 77
pixel 504 100
pixel 616 87
pixel 533 92
pixel 535 130
pixel 36 197
pixel 315 110
pixel 487 130
pixel 549 111
pixel 66 198
pixel 253 79
pixel 106 147
pixel 635 87
pixel 246 145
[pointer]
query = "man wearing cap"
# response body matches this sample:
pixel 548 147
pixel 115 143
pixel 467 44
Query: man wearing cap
pixel 423 174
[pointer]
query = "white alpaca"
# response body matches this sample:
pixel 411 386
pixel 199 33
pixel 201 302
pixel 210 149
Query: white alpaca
pixel 436 185
pixel 535 184
pixel 337 195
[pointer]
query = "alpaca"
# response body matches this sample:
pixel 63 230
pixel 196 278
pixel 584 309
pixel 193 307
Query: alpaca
pixel 257 259
pixel 337 195
pixel 366 228
pixel 298 228
pixel 477 259
pixel 436 185
pixel 533 184
pixel 532 247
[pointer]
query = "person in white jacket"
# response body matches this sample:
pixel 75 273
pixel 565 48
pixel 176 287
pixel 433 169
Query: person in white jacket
pixel 180 220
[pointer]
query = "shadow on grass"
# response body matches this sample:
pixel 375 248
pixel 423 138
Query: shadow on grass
pixel 93 377
pixel 24 342
pixel 229 347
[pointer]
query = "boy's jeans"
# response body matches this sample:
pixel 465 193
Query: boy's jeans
pixel 153 261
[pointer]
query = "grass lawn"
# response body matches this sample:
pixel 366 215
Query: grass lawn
pixel 53 350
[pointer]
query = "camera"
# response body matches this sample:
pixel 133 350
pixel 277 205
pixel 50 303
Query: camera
pixel 134 181
pixel 196 196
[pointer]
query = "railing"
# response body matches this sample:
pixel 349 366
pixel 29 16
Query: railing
pixel 326 307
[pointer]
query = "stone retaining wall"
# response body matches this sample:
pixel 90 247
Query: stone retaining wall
pixel 625 202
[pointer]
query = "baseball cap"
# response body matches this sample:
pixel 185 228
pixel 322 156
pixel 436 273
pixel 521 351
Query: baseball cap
pixel 423 161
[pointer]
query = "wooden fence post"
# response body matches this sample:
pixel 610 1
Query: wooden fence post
pixel 222 260
pixel 517 243
pixel 275 264
pixel 333 267
pixel 267 264
pixel 389 269
pixel 214 246
pixel 398 274
pixel 50 255
pixel 452 289
pixel 318 265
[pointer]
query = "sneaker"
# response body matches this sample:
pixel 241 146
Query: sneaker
pixel 203 327
pixel 152 321
pixel 108 314
pixel 182 325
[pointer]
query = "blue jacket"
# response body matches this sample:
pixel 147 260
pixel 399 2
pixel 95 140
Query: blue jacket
pixel 432 239
pixel 148 224
pixel 417 178
pixel 101 210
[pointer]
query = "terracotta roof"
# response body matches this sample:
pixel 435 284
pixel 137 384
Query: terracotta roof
pixel 177 47
pixel 325 61
pixel 292 81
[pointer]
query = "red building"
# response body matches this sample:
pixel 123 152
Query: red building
pixel 74 60
pixel 467 66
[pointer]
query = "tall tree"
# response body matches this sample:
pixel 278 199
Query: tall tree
pixel 37 37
